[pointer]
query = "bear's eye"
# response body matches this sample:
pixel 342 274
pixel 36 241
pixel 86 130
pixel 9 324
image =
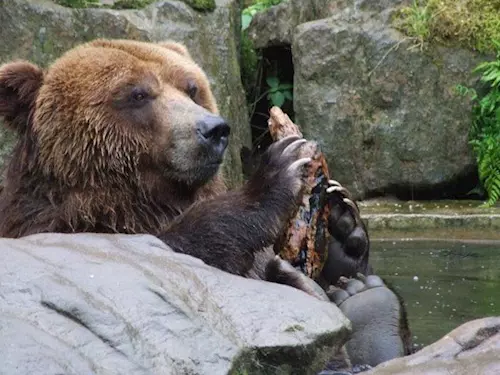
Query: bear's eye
pixel 192 89
pixel 139 95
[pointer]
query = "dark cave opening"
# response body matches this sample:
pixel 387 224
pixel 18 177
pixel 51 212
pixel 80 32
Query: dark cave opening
pixel 276 64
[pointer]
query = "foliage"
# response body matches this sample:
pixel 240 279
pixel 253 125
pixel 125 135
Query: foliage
pixel 415 21
pixel 278 92
pixel 202 5
pixel 250 11
pixel 471 23
pixel 251 63
pixel 119 4
pixel 250 60
pixel 131 4
pixel 78 3
pixel 485 130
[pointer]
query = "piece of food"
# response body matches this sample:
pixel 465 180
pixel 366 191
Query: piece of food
pixel 304 241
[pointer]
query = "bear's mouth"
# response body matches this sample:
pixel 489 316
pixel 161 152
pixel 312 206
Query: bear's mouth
pixel 195 175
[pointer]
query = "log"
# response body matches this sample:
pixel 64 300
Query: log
pixel 304 240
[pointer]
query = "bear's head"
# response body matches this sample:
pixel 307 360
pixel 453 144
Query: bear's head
pixel 110 112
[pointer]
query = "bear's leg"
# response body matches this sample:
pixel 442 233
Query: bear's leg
pixel 379 325
pixel 373 307
pixel 227 231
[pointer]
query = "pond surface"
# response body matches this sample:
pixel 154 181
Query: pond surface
pixel 443 283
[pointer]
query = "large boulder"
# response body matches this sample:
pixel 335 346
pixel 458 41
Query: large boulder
pixel 472 348
pixel 41 31
pixel 385 114
pixel 275 26
pixel 125 304
pixel 387 117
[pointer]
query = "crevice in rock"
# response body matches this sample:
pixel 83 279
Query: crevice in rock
pixel 275 61
pixel 74 315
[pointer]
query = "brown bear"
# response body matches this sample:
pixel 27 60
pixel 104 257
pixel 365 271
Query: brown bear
pixel 122 136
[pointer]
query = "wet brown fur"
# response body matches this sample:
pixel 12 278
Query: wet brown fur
pixel 102 178
pixel 81 165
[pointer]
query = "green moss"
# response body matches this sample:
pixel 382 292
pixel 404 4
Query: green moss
pixel 202 5
pixel 78 3
pixel 470 23
pixel 249 63
pixel 131 4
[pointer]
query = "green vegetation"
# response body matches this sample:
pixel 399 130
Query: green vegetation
pixel 78 3
pixel 119 4
pixel 278 92
pixel 253 8
pixel 416 22
pixel 132 4
pixel 485 130
pixel 474 24
pixel 471 23
pixel 251 63
pixel 202 5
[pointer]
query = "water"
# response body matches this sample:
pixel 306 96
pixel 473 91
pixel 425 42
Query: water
pixel 444 284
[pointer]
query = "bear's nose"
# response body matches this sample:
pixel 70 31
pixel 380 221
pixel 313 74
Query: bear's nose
pixel 214 132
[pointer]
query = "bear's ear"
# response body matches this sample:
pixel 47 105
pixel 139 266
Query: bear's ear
pixel 177 47
pixel 19 85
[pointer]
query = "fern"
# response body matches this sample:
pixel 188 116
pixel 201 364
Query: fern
pixel 485 131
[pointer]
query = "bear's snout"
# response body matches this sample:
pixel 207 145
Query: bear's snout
pixel 213 133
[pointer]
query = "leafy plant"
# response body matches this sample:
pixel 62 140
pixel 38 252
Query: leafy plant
pixel 250 11
pixel 485 131
pixel 252 64
pixel 415 21
pixel 278 92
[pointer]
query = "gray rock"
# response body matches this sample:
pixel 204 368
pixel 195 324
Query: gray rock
pixel 386 116
pixel 41 31
pixel 118 304
pixel 275 25
pixel 472 348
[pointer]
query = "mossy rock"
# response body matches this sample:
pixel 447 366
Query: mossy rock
pixel 78 3
pixel 131 4
pixel 200 5
pixel 471 23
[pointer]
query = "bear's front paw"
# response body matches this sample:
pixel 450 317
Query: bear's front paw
pixel 348 247
pixel 281 169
